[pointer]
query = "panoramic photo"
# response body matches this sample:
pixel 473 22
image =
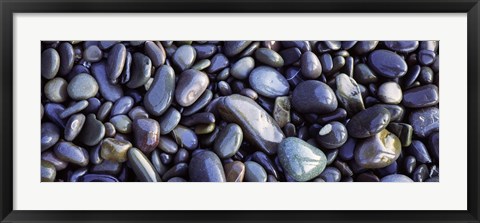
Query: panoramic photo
pixel 240 111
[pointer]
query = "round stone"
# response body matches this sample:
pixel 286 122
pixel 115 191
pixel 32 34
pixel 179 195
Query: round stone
pixel 254 172
pixel 378 151
pixel 50 63
pixel 242 68
pixel 205 166
pixel 56 90
pixel 387 63
pixel 390 93
pixel 313 96
pixel 311 66
pixel 332 135
pixel 368 122
pixel 115 150
pixel 190 86
pixel 82 86
pixel 269 57
pixel 228 141
pixel 146 132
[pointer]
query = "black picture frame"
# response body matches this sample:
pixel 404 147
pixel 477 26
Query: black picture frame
pixel 9 7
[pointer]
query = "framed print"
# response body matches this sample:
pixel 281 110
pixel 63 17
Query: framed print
pixel 201 111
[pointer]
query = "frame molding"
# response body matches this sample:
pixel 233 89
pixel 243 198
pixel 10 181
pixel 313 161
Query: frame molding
pixel 9 7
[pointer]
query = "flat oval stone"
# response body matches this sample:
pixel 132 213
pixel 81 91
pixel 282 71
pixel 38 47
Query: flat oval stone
pixel 141 166
pixel 56 90
pixel 201 64
pixel 167 145
pixel 71 153
pixel 115 150
pixel 122 123
pixel 332 135
pixel 234 171
pixel 331 174
pixel 426 57
pixel 205 51
pixel 258 127
pixel 109 91
pixel 268 82
pixel 218 62
pixel 190 86
pixel 424 121
pixel 198 118
pixel 396 178
pixel 201 102
pixel 104 110
pixel 74 126
pixel 269 57
pixel 138 112
pixel 242 68
pixel 368 122
pixel 420 97
pixel 184 57
pixel 291 55
pixel 92 54
pixel 169 120
pixel 232 48
pixel 349 94
pixel 311 66
pixel 48 172
pixel 419 151
pixel 387 63
pixel 116 61
pixel 363 47
pixel 50 135
pixel 156 53
pixel 160 95
pixel 403 131
pixel 254 172
pixel 122 106
pixel 228 141
pixel 402 46
pixel 390 93
pixel 205 166
pixel 74 108
pixel 185 137
pixel 313 96
pixel 326 61
pixel 378 151
pixel 300 160
pixel 179 170
pixel 140 71
pixel 146 132
pixel 50 63
pixel 65 51
pixel 92 132
pixel 82 86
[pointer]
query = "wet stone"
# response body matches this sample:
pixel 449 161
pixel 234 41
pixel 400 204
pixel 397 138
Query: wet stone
pixel 73 109
pixel 92 132
pixel 74 126
pixel 368 122
pixel 122 124
pixel 71 153
pixel 363 74
pixel 146 133
pixel 234 171
pixel 332 135
pixel 167 145
pixel 378 151
pixel 116 61
pixel 349 94
pixel 142 167
pixel 184 57
pixel 228 141
pixel 402 46
pixel 48 172
pixel 254 172
pixel 122 106
pixel 310 66
pixel 169 120
pixel 232 48
pixel 269 57
pixel 313 96
pixel 419 151
pixel 387 63
pixel 59 164
pixel 140 71
pixel 242 68
pixel 425 121
pixel 109 91
pixel 390 93
pixel 115 150
pixel 155 52
pixel 268 82
pixel 205 166
pixel 50 63
pixel 185 137
pixel 420 97
pixel 50 135
pixel 56 90
pixel 190 86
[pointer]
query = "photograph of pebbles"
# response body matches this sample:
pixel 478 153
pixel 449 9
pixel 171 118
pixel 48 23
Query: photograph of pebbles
pixel 240 111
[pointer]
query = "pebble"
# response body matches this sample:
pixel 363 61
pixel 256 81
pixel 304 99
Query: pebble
pixel 300 160
pixel 390 93
pixel 116 62
pixel 311 66
pixel 403 131
pixel 185 137
pixel 104 110
pixel 48 172
pixel 122 106
pixel 97 178
pixel 281 111
pixel 205 51
pixel 269 57
pixel 234 171
pixel 184 57
pixel 363 74
pixel 74 126
pixel 331 174
pixel 387 63
pixel 52 111
pixel 155 52
pixel 242 68
pixel 169 120
pixel 190 86
pixel 115 150
pixel 122 124
pixel 178 170
pixel 349 94
pixel 313 96
pixel 259 128
pixel 74 108
pixel 218 62
pixel 65 51
pixel 332 135
pixel 363 47
pixel 419 151
pixel 50 63
pixel 268 82
pixel 92 54
pixel 205 166
pixel 138 112
pixel 142 167
pixel 378 151
pixel 92 132
pixel 59 164
pixel 146 132
pixel 167 145
pixel 109 91
pixel 425 121
pixel 232 48
pixel 368 122
pixel 71 153
pixel 228 141
pixel 50 134
pixel 420 97
pixel 254 172
pixel 402 46
pixel 426 57
pixel 56 90
pixel 201 102
pixel 140 71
